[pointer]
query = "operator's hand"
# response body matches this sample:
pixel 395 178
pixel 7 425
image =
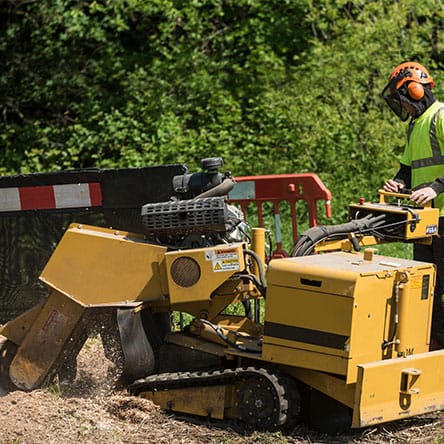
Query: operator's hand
pixel 423 195
pixel 392 186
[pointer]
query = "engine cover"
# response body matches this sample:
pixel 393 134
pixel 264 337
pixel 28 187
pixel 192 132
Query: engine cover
pixel 206 215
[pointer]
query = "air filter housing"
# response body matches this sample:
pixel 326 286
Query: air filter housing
pixel 185 217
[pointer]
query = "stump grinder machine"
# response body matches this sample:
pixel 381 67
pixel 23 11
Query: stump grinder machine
pixel 336 333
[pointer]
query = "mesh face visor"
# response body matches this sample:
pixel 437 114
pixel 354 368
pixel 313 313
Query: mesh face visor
pixel 394 101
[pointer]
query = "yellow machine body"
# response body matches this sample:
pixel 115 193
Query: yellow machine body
pixel 332 312
pixel 89 262
pixel 354 326
pixel 194 274
pixel 95 267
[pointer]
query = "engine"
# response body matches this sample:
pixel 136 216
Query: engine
pixel 198 215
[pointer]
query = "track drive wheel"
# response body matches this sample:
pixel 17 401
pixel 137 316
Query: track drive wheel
pixel 7 352
pixel 261 399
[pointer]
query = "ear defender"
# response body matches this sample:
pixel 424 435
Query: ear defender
pixel 415 90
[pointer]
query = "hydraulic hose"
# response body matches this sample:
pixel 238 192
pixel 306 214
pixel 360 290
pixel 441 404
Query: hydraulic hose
pixel 259 282
pixel 219 190
pixel 258 261
pixel 253 278
pixel 314 235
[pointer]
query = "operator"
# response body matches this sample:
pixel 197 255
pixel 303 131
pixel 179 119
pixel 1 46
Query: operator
pixel 409 94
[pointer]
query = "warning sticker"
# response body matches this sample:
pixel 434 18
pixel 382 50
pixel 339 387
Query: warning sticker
pixel 226 265
pixel 415 281
pixel 225 260
pixel 211 255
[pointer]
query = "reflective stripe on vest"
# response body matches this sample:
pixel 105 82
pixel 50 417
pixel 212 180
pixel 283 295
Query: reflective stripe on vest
pixel 437 156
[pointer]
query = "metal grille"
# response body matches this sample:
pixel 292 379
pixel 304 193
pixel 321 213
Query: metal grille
pixel 185 216
pixel 185 272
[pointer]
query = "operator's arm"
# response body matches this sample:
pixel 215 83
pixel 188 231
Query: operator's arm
pixel 424 195
pixel 400 181
pixel 438 185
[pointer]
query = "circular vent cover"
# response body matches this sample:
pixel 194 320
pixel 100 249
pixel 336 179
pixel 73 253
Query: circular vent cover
pixel 185 271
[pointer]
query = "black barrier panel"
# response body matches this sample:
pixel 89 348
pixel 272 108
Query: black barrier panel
pixel 28 237
pixel 26 244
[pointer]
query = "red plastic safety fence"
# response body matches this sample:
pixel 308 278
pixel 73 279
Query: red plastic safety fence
pixel 278 188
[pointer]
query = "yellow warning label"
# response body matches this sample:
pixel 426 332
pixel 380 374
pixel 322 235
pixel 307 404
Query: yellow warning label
pixel 226 264
pixel 415 282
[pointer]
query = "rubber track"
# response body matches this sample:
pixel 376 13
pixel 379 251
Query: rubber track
pixel 177 380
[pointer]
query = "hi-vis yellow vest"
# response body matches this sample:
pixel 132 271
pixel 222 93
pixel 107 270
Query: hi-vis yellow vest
pixel 424 151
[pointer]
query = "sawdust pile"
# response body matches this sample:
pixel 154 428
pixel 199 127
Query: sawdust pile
pixel 91 411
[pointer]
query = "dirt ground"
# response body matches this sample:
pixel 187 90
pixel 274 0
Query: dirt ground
pixel 90 411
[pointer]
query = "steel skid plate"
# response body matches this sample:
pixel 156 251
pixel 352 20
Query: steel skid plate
pixel 54 332
pixel 398 388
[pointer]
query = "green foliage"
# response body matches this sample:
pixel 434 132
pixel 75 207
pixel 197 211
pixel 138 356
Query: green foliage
pixel 401 250
pixel 272 86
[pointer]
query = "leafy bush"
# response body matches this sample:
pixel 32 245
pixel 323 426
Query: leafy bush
pixel 271 86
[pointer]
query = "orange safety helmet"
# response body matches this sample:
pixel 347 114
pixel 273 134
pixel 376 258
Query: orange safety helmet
pixel 415 75
pixel 406 86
